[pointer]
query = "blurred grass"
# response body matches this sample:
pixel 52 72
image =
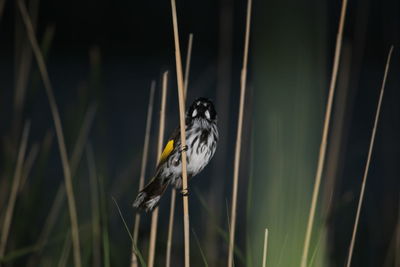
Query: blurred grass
pixel 287 131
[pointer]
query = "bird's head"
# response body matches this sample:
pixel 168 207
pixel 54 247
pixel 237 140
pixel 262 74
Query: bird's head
pixel 202 108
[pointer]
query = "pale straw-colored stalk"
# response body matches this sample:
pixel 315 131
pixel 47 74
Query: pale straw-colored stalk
pixel 154 216
pixel 322 149
pixel 264 262
pixel 243 80
pixel 173 192
pixel 134 260
pixel 371 147
pixel 187 66
pixel 185 190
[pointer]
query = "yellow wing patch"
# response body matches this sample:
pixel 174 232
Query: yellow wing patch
pixel 167 150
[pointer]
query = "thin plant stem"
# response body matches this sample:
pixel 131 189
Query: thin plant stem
pixel 60 195
pixel 170 228
pixel 185 191
pixel 203 256
pixel 154 216
pixel 264 264
pixel 173 192
pixel 129 233
pixel 134 262
pixel 322 149
pixel 95 206
pixel 187 66
pixel 59 132
pixel 239 137
pixel 371 147
pixel 5 231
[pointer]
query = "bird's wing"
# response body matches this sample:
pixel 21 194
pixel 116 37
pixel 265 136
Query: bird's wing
pixel 173 141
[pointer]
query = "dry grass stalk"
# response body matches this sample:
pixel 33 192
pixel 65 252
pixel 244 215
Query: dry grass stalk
pixel 5 231
pixel 60 195
pixel 265 248
pixel 187 66
pixel 154 217
pixel 243 81
pixel 371 147
pixel 30 159
pixel 60 136
pixel 170 228
pixel 95 206
pixel 134 260
pixel 173 192
pixel 179 76
pixel 322 149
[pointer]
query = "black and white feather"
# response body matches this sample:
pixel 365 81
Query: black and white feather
pixel 201 142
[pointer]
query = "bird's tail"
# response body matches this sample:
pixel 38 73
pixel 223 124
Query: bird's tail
pixel 148 198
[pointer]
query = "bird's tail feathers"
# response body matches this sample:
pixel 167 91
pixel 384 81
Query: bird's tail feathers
pixel 149 197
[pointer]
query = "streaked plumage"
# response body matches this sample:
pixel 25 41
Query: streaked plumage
pixel 201 142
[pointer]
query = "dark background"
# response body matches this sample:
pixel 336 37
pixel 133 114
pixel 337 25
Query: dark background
pixel 105 54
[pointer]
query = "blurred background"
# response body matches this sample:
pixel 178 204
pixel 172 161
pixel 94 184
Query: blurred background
pixel 101 58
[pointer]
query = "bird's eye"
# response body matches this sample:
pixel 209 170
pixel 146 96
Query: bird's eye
pixel 207 113
pixel 194 114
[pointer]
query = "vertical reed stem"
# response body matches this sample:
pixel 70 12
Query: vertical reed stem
pixel 173 192
pixel 154 217
pixel 134 261
pixel 243 81
pixel 264 264
pixel 322 149
pixel 187 66
pixel 179 77
pixel 371 147
pixel 170 228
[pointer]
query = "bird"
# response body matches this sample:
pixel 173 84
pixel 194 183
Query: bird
pixel 201 144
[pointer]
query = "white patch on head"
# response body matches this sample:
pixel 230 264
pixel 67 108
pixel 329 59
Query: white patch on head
pixel 205 104
pixel 198 103
pixel 207 113
pixel 194 114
